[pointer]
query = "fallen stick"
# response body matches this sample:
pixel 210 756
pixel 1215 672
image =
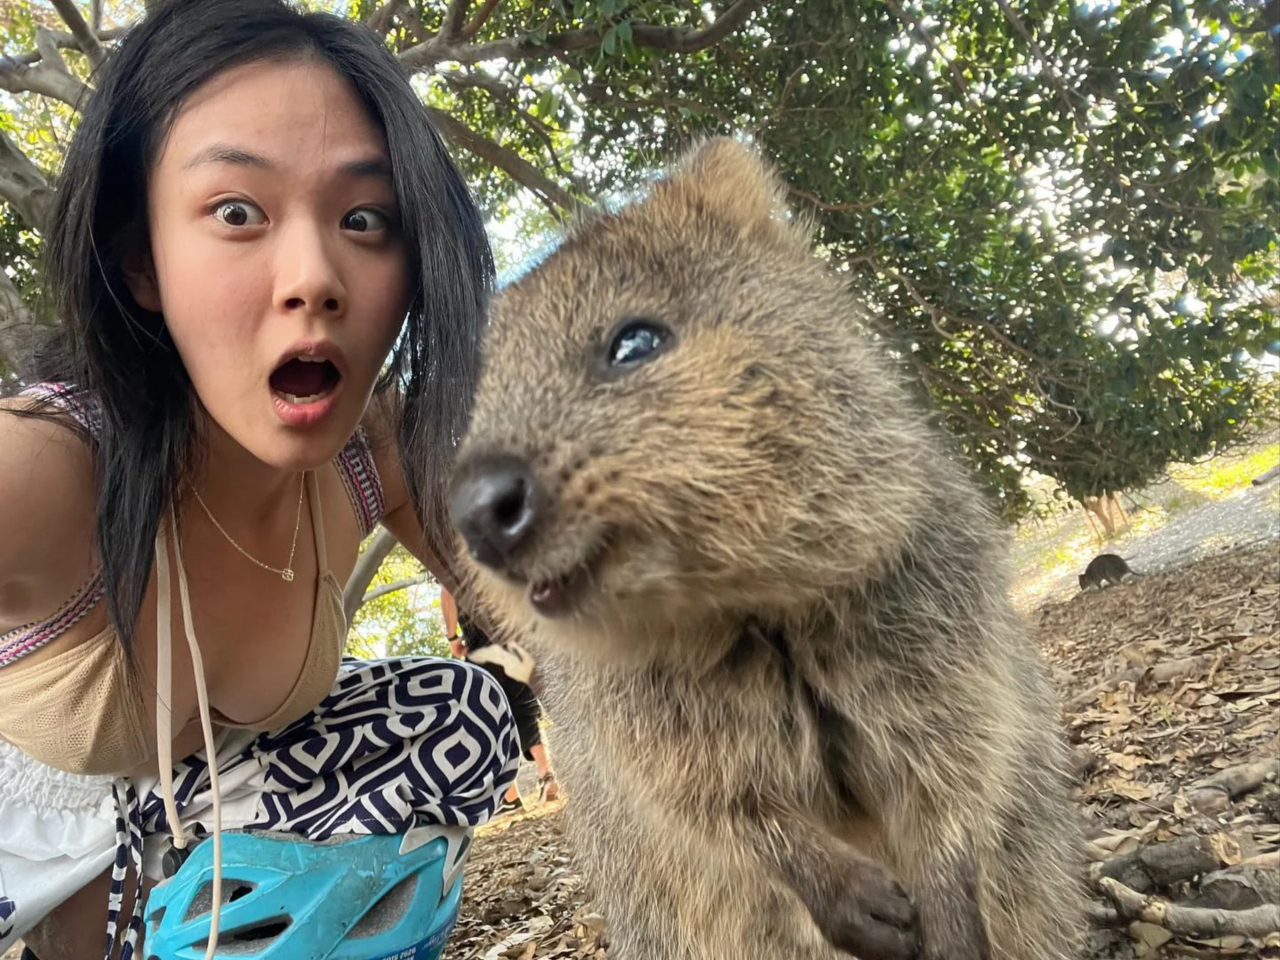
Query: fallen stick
pixel 1101 915
pixel 1190 921
pixel 1145 677
pixel 1216 793
pixel 1269 475
pixel 1213 670
pixel 1160 865
pixel 1267 861
pixel 1238 888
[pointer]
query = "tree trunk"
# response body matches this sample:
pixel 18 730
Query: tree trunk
pixel 22 184
pixel 1108 509
pixel 365 570
pixel 1096 506
pixel 393 587
pixel 16 327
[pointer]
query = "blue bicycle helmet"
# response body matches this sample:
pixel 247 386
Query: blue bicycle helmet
pixel 284 898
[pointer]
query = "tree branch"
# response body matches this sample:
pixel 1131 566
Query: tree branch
pixel 441 48
pixel 515 166
pixel 48 76
pixel 592 93
pixel 365 569
pixel 1190 921
pixel 686 40
pixel 413 23
pixel 1271 20
pixel 455 18
pixel 16 325
pixel 694 9
pixel 478 21
pixel 957 77
pixel 22 184
pixel 831 207
pixel 510 98
pixel 937 314
pixel 472 80
pixel 1073 107
pixel 433 50
pixel 384 589
pixel 866 204
pixel 1160 865
pixel 47 47
pixel 42 79
pixel 85 38
pixel 65 41
pixel 382 19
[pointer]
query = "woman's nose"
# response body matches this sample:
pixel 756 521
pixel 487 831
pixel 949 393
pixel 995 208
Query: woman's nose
pixel 307 276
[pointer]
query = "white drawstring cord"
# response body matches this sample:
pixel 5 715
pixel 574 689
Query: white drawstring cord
pixel 164 716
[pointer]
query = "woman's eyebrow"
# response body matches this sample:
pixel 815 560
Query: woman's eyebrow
pixel 226 153
pixel 373 167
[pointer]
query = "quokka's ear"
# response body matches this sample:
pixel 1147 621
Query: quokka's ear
pixel 728 178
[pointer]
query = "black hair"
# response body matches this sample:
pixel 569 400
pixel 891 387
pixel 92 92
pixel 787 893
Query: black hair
pixel 122 356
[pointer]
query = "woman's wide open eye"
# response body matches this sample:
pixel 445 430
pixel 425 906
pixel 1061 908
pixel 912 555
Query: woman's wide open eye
pixel 637 340
pixel 365 220
pixel 239 213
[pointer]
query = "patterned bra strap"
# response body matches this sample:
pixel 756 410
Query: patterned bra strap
pixel 81 407
pixel 17 643
pixel 360 476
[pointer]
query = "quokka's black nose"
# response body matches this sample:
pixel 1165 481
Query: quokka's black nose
pixel 494 506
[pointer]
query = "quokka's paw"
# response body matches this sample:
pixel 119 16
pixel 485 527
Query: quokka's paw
pixel 871 916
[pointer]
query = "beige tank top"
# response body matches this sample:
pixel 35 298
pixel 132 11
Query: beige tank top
pixel 82 711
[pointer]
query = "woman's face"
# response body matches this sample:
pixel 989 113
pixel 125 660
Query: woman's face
pixel 277 260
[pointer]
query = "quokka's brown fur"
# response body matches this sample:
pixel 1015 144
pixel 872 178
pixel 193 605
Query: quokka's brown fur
pixel 789 655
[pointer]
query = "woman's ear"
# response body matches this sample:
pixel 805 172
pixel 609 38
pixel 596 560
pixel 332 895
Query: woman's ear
pixel 140 275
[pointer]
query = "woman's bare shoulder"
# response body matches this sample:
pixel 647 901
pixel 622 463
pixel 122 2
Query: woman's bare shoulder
pixel 47 505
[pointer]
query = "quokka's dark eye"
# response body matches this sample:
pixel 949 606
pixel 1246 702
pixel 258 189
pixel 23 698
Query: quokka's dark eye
pixel 635 341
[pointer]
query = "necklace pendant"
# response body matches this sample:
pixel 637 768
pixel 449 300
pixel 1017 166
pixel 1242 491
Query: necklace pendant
pixel 287 575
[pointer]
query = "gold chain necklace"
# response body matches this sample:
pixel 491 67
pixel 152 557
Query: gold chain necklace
pixel 286 573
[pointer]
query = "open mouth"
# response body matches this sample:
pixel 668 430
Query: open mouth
pixel 562 595
pixel 302 381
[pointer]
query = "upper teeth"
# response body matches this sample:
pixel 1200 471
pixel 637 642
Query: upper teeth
pixel 308 358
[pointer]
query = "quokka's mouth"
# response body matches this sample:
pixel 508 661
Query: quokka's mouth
pixel 562 595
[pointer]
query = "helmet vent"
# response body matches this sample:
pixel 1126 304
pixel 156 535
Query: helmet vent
pixel 244 941
pixel 202 902
pixel 387 912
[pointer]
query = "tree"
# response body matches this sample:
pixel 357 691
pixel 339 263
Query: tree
pixel 31 135
pixel 1065 211
pixel 1067 214
pixel 19 283
pixel 373 552
pixel 398 611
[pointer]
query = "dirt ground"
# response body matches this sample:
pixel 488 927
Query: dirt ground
pixel 1171 693
pixel 1195 511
